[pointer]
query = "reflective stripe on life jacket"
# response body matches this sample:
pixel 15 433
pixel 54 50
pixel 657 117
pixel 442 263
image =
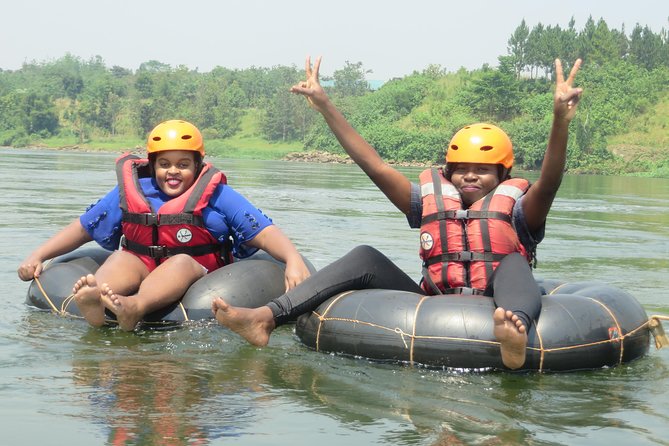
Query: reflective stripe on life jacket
pixel 177 227
pixel 460 247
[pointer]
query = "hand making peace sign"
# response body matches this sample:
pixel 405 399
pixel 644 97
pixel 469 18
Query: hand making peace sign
pixel 566 96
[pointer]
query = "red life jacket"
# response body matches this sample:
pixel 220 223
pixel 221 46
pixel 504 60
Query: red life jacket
pixel 177 227
pixel 460 247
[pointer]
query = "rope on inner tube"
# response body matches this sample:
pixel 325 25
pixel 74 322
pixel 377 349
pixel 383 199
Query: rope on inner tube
pixel 322 318
pixel 183 310
pixel 46 296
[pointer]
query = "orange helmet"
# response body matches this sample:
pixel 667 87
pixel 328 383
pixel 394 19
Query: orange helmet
pixel 175 135
pixel 480 143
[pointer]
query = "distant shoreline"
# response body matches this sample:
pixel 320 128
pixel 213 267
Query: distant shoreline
pixel 311 156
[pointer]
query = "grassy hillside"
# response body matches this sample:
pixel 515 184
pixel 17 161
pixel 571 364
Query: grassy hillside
pixel 646 143
pixel 248 142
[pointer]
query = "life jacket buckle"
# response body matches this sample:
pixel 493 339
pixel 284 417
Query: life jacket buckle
pixel 150 219
pixel 158 252
pixel 462 214
pixel 465 256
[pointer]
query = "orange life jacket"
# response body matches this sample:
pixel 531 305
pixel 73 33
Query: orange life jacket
pixel 460 247
pixel 177 227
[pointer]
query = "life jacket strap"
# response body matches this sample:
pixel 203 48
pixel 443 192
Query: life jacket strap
pixel 161 251
pixel 466 214
pixel 464 256
pixel 162 220
pixel 464 290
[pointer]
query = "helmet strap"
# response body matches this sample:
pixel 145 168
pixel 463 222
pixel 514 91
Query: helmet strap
pixel 503 173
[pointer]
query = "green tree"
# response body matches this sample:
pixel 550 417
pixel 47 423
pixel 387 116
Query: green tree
pixel 517 47
pixel 350 80
pixel 494 96
pixel 585 40
pixel 38 115
pixel 647 48
pixel 605 46
pixel 278 122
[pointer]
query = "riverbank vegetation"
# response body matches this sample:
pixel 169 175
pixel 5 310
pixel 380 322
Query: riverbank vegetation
pixel 622 126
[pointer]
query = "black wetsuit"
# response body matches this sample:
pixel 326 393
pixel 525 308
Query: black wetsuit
pixel 512 285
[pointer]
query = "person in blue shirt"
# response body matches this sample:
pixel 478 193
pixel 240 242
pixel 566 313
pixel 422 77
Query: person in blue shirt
pixel 479 227
pixel 175 219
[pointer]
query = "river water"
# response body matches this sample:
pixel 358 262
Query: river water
pixel 62 382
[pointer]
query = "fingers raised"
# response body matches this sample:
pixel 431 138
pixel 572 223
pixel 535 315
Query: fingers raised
pixel 307 67
pixel 573 72
pixel 317 66
pixel 559 76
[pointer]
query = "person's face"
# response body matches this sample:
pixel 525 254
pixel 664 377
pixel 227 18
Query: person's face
pixel 474 180
pixel 175 171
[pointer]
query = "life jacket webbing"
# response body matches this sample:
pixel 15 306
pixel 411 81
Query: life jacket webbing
pixel 466 214
pixel 198 190
pixel 485 235
pixel 464 256
pixel 464 290
pixel 161 251
pixel 438 193
pixel 164 219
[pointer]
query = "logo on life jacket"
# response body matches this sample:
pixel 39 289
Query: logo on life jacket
pixel 426 241
pixel 184 235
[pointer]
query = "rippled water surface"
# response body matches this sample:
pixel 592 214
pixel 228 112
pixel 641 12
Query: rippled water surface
pixel 64 383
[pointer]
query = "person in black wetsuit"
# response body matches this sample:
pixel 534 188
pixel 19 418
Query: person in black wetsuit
pixel 477 175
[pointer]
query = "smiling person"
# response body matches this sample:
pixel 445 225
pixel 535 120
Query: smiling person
pixel 479 227
pixel 175 219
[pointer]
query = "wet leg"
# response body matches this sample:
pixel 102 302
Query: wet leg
pixel 362 268
pixel 518 300
pixel 512 336
pixel 253 324
pixel 122 269
pixel 87 297
pixel 164 285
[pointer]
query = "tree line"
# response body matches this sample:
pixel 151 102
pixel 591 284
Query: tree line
pixel 407 119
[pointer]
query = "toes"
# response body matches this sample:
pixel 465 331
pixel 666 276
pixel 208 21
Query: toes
pixel 219 304
pixel 90 280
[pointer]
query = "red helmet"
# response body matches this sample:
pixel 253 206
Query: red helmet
pixel 480 143
pixel 175 135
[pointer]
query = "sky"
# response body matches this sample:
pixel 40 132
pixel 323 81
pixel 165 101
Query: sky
pixel 390 37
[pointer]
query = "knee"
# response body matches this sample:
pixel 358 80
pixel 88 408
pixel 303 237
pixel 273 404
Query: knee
pixel 123 260
pixel 367 252
pixel 515 261
pixel 186 263
pixel 364 251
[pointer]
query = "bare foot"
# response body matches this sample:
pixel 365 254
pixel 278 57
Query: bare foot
pixel 87 296
pixel 125 308
pixel 253 324
pixel 512 336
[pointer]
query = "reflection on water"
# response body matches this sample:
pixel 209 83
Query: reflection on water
pixel 201 385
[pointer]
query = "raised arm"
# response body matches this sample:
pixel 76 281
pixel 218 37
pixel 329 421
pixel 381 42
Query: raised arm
pixel 67 239
pixel 539 198
pixel 390 181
